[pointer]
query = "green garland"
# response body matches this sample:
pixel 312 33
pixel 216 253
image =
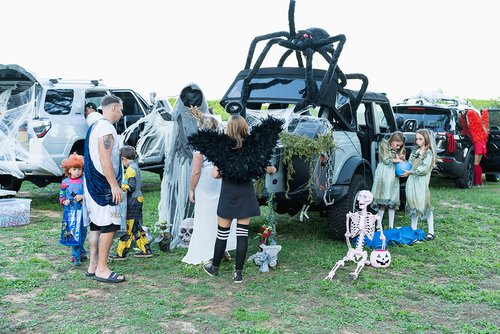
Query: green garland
pixel 303 147
pixel 259 186
pixel 306 148
pixel 271 217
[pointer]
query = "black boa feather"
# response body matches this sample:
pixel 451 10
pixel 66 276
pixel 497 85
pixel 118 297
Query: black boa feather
pixel 243 164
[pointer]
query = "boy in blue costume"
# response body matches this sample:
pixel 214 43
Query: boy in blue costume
pixel 70 196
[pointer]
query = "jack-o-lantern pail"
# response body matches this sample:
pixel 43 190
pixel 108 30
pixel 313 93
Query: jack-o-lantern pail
pixel 380 258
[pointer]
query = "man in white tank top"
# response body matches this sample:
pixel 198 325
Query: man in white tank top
pixel 102 190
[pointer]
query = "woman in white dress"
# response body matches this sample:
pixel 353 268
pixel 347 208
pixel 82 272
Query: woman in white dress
pixel 204 192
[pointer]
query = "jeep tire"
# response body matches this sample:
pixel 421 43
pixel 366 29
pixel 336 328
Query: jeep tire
pixel 467 177
pixel 9 182
pixel 336 213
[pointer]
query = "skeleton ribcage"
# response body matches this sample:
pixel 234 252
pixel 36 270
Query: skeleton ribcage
pixel 365 224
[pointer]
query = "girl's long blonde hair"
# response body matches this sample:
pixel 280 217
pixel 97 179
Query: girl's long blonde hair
pixel 237 129
pixel 398 136
pixel 427 143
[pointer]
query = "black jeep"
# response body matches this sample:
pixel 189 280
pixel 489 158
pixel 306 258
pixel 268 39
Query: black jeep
pixel 314 102
pixel 356 133
pixel 455 151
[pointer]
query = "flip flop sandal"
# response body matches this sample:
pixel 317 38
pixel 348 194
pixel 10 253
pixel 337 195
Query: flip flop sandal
pixel 89 274
pixel 429 237
pixel 112 278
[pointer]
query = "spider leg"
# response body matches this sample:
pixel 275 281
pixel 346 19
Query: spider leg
pixel 340 75
pixel 333 61
pixel 285 56
pixel 357 100
pixel 291 26
pixel 311 88
pixel 245 91
pixel 330 40
pixel 258 39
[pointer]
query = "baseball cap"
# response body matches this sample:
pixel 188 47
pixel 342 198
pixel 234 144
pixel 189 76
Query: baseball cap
pixel 91 105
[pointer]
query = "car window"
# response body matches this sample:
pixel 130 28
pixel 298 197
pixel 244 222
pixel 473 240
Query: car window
pixel 494 120
pixel 419 117
pixel 379 114
pixel 274 88
pixel 343 106
pixel 58 101
pixel 361 114
pixel 143 103
pixel 130 105
pixel 95 97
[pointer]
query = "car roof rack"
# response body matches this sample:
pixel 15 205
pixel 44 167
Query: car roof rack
pixel 95 82
pixel 436 100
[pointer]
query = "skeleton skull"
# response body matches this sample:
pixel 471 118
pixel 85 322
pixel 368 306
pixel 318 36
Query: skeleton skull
pixel 380 258
pixel 364 198
pixel 185 232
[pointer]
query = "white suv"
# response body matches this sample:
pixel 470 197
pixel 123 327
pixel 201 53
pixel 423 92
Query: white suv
pixel 42 122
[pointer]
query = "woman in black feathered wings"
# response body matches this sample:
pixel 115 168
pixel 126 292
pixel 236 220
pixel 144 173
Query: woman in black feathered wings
pixel 239 157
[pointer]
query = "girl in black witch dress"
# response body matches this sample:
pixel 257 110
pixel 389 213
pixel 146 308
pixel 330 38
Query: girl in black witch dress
pixel 239 157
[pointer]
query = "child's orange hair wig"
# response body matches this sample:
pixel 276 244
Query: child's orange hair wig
pixel 73 161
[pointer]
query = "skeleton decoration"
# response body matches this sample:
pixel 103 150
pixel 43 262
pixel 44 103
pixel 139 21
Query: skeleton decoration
pixel 185 232
pixel 362 223
pixel 266 257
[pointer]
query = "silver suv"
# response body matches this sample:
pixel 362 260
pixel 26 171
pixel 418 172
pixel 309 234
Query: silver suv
pixel 42 122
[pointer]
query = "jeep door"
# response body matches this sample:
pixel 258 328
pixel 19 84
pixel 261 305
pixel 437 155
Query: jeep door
pixel 134 108
pixel 375 121
pixel 491 162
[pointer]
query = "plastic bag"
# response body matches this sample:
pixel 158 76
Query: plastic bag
pixel 396 236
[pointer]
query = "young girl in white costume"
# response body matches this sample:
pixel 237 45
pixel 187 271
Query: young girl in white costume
pixel 418 199
pixel 385 187
pixel 204 192
pixel 239 157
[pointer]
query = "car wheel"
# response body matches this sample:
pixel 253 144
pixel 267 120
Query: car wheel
pixel 9 182
pixel 467 178
pixel 336 213
pixel 493 177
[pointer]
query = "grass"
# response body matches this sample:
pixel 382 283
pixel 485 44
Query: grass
pixel 449 285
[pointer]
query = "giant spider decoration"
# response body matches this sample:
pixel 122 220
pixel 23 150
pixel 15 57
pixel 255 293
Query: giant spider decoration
pixel 304 43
